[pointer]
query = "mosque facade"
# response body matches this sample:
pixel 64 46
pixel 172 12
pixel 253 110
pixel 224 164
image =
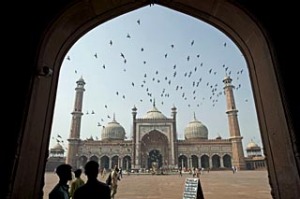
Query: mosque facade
pixel 155 143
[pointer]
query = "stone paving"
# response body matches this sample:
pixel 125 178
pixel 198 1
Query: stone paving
pixel 215 185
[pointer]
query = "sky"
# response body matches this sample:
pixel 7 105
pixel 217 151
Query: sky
pixel 154 54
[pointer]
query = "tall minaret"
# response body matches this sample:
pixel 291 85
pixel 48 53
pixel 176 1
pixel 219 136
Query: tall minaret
pixel 134 113
pixel 234 129
pixel 174 147
pixel 74 139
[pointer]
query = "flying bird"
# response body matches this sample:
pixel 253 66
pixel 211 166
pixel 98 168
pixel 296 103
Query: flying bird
pixel 139 22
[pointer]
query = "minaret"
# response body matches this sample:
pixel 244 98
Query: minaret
pixel 134 113
pixel 234 129
pixel 174 159
pixel 74 138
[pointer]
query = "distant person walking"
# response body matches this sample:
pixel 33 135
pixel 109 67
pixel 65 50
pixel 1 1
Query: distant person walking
pixel 93 188
pixel 77 182
pixel 61 190
pixel 233 169
pixel 180 171
pixel 115 177
pixel 121 173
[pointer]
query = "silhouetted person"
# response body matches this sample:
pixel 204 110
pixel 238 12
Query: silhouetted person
pixel 61 190
pixel 93 188
pixel 77 182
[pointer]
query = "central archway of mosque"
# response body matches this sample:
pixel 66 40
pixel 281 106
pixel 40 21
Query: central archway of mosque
pixel 154 150
pixel 155 159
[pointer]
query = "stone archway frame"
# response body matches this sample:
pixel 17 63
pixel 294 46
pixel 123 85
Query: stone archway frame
pixel 81 16
pixel 147 146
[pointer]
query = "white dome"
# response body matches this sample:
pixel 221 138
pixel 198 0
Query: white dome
pixel 113 131
pixel 58 148
pixel 195 130
pixel 154 113
pixel 252 145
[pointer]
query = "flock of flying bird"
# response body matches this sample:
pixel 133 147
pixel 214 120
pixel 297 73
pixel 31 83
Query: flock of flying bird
pixel 197 73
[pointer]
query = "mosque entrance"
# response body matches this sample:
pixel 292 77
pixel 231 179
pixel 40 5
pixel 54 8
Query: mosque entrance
pixel 155 159
pixel 154 150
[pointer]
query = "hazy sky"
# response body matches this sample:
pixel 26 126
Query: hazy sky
pixel 154 53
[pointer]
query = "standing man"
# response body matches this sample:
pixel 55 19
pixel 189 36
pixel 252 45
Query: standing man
pixel 121 173
pixel 77 182
pixel 180 171
pixel 93 188
pixel 61 190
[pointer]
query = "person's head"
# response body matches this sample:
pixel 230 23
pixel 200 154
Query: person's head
pixel 91 169
pixel 64 172
pixel 77 173
pixel 117 169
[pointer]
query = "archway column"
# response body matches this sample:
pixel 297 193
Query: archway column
pixel 210 162
pixel 221 162
pixel 199 162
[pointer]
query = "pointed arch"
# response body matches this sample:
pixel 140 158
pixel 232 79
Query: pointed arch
pixel 77 18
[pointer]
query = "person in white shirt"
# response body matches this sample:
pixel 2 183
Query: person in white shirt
pixel 114 181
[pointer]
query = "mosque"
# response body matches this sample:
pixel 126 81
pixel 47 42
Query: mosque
pixel 155 142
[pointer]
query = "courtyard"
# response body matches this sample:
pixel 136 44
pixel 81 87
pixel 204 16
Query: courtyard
pixel 215 185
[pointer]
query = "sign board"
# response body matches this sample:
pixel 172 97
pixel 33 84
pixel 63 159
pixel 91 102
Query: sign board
pixel 192 189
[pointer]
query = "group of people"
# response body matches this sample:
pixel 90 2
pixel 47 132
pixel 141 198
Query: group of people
pixel 196 172
pixel 92 188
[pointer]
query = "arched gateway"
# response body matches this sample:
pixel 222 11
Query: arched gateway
pixel 154 149
pixel 57 25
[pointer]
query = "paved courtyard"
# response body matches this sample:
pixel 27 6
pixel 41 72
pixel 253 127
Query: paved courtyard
pixel 215 185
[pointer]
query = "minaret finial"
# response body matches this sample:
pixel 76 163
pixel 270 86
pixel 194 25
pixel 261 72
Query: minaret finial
pixel 114 117
pixel 194 116
pixel 154 102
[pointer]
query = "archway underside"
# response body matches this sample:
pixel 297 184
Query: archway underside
pixel 82 16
